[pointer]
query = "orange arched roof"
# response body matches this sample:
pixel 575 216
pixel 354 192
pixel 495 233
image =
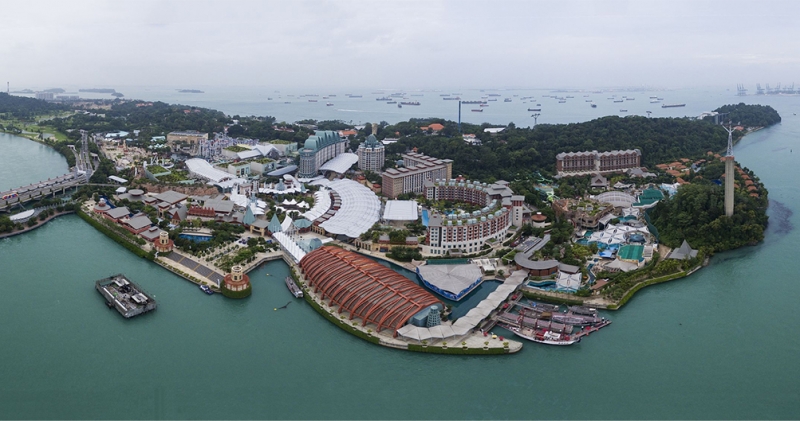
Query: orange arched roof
pixel 364 288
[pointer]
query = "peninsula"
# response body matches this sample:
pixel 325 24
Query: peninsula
pixel 581 214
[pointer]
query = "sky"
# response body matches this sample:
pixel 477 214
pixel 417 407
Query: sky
pixel 410 44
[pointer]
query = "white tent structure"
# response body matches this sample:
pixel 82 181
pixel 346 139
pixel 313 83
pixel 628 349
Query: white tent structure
pixel 615 234
pixel 288 245
pixel 569 281
pixel 401 210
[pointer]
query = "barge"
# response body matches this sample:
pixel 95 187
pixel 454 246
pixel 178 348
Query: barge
pixel 126 297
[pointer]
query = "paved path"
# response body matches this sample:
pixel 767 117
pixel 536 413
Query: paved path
pixel 194 266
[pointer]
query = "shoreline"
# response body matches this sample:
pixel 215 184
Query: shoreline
pixel 39 224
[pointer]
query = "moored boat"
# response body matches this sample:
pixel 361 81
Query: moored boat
pixel 293 288
pixel 545 337
pixel 206 289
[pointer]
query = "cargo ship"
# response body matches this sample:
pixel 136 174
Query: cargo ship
pixel 410 103
pixel 673 105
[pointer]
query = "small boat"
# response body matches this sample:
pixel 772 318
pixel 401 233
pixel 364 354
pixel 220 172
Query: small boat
pixel 479 110
pixel 312 100
pixel 623 111
pixel 293 288
pixel 206 289
pixel 329 104
pixel 618 100
pixel 483 105
pixel 383 98
pixel 399 105
pixel 594 105
pixel 507 100
pixel 562 101
pixel 391 102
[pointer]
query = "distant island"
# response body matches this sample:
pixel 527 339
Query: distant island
pixel 190 91
pixel 117 95
pixel 99 90
pixel 54 90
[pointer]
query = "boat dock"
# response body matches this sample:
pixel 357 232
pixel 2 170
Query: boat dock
pixel 536 317
pixel 126 297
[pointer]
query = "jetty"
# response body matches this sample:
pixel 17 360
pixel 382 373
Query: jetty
pixel 128 298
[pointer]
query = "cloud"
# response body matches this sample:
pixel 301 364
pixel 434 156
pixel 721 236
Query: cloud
pixel 398 43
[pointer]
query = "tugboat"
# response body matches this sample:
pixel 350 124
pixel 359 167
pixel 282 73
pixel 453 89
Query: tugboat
pixel 206 289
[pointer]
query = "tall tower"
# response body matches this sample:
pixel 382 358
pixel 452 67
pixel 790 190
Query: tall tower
pixel 729 174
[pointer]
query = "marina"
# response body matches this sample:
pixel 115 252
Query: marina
pixel 127 298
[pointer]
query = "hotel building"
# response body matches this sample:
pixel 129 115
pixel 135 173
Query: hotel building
pixel 371 155
pixel 319 148
pixel 417 169
pixel 593 161
pixel 467 233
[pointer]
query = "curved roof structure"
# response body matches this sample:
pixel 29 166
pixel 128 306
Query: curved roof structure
pixel 321 139
pixel 341 163
pixel 617 199
pixel 364 288
pixel 281 171
pixel 360 209
pixel 322 202
pixel 201 168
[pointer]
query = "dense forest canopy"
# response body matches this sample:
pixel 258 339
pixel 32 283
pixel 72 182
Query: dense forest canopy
pixel 515 152
pixel 696 213
pixel 750 115
pixel 27 108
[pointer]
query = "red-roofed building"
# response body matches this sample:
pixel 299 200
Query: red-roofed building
pixel 435 127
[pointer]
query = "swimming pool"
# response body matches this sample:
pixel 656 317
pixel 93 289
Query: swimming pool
pixel 197 238
pixel 425 217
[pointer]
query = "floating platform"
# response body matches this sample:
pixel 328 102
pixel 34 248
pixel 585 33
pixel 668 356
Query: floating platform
pixel 128 298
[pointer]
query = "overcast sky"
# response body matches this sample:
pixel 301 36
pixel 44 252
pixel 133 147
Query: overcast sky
pixel 422 44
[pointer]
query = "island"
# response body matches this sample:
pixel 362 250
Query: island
pixel 98 90
pixel 387 242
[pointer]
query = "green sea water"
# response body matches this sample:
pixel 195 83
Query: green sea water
pixel 718 344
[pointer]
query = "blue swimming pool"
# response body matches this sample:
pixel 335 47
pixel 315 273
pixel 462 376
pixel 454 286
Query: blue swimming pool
pixel 425 217
pixel 197 238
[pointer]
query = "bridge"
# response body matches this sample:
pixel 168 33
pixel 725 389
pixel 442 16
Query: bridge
pixel 82 172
